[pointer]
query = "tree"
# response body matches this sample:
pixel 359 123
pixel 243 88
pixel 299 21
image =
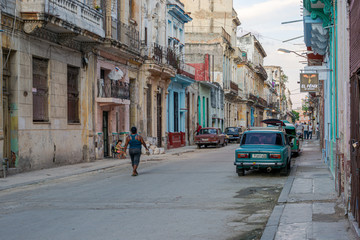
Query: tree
pixel 296 115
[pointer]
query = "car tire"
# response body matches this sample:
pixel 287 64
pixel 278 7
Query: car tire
pixel 240 172
pixel 285 170
pixel 198 146
pixel 238 141
pixel 218 145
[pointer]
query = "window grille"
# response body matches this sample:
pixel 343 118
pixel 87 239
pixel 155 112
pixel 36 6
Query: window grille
pixel 73 94
pixel 40 90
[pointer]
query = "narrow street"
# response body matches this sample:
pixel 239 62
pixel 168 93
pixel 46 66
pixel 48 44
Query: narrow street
pixel 194 195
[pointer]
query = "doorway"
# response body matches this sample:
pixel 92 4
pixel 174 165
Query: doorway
pixel 106 133
pixel 355 139
pixel 6 114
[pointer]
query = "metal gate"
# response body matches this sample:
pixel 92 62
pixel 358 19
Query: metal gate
pixel 159 120
pixel 355 151
pixel 106 133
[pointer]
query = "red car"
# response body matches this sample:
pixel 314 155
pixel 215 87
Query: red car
pixel 210 136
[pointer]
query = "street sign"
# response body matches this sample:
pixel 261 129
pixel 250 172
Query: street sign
pixel 309 82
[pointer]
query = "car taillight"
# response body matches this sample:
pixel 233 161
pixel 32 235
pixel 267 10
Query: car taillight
pixel 278 156
pixel 243 155
pixel 297 142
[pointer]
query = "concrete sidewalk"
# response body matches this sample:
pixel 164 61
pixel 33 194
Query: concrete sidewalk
pixel 308 206
pixel 38 176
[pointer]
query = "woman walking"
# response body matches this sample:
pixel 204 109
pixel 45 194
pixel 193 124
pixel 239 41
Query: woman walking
pixel 135 141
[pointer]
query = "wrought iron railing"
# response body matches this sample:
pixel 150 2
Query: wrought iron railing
pixel 171 58
pixel 113 89
pixel 157 53
pixel 129 36
pixel 263 102
pixel 260 70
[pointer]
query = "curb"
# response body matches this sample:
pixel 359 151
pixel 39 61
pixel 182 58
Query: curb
pixel 274 219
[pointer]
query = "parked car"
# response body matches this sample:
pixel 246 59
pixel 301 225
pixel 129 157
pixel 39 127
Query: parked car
pixel 263 148
pixel 234 133
pixel 210 136
pixel 290 131
pixel 293 138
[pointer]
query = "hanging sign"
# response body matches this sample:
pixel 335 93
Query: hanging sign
pixel 309 82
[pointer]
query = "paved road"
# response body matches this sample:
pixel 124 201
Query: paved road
pixel 196 195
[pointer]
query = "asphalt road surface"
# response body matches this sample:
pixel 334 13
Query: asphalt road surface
pixel 196 195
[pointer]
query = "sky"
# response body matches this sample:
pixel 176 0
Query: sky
pixel 263 18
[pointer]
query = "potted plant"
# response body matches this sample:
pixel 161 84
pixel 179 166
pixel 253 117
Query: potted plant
pixel 98 8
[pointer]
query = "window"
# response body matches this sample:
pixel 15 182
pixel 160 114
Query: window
pixel 73 94
pixel 40 90
pixel 262 138
pixel 146 36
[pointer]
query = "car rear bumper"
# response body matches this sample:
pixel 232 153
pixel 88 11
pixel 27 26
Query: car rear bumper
pixel 258 164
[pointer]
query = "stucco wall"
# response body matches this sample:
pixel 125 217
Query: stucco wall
pixel 39 145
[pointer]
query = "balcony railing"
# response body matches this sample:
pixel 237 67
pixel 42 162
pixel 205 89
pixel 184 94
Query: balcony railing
pixel 113 89
pixel 157 53
pixel 262 102
pixel 253 97
pixel 171 58
pixel 260 70
pixel 129 36
pixel 186 70
pixel 74 14
pixel 226 35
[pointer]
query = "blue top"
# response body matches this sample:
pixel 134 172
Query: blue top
pixel 133 142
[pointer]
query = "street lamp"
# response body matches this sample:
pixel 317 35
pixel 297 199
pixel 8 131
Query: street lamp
pixel 282 50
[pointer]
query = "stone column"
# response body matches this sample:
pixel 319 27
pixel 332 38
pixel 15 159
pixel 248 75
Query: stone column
pixel 108 19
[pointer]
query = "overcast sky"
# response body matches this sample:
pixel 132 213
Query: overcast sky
pixel 264 18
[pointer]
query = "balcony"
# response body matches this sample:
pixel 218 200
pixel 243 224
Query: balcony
pixel 62 17
pixel 260 70
pixel 128 36
pixel 157 53
pixel 186 70
pixel 171 58
pixel 252 97
pixel 262 102
pixel 113 92
pixel 226 36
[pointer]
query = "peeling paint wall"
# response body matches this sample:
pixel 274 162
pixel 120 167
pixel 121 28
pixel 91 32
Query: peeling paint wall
pixel 37 145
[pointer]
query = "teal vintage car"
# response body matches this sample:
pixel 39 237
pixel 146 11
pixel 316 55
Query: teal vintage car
pixel 293 138
pixel 290 131
pixel 263 148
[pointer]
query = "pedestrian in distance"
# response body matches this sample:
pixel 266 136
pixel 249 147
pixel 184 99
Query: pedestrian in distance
pixel 306 131
pixel 310 130
pixel 198 128
pixel 135 141
pixel 317 131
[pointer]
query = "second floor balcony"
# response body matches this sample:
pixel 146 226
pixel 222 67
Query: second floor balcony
pixel 127 35
pixel 63 16
pixel 260 70
pixel 113 92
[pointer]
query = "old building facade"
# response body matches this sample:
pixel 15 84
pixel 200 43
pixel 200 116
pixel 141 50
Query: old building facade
pixel 49 76
pixel 253 102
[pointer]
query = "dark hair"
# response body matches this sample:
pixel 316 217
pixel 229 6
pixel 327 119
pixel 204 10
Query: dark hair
pixel 133 130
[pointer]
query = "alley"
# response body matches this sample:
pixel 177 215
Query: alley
pixel 195 195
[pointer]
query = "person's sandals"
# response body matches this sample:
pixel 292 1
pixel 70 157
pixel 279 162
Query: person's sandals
pixel 134 174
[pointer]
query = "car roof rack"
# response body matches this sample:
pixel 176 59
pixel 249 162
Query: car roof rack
pixel 276 128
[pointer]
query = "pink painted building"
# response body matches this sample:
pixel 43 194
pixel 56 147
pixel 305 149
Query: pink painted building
pixel 112 103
